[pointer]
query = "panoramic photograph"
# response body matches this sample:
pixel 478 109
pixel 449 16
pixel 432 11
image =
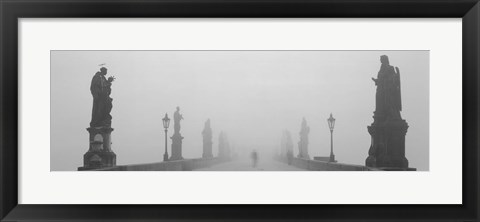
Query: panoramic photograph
pixel 239 110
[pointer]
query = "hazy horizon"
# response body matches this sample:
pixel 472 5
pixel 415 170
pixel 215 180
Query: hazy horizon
pixel 253 96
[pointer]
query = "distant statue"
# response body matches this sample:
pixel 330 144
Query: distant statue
pixel 254 156
pixel 223 145
pixel 388 102
pixel 207 131
pixel 289 157
pixel 207 140
pixel 100 88
pixel 176 120
pixel 177 137
pixel 304 131
pixel 303 143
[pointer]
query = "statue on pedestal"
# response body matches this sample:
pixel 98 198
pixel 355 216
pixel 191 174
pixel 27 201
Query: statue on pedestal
pixel 176 120
pixel 100 88
pixel 223 146
pixel 388 129
pixel 100 154
pixel 207 140
pixel 177 137
pixel 303 143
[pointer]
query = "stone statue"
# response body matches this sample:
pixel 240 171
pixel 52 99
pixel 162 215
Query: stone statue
pixel 388 130
pixel 303 143
pixel 207 140
pixel 304 131
pixel 388 102
pixel 177 137
pixel 100 152
pixel 207 131
pixel 223 145
pixel 176 120
pixel 100 88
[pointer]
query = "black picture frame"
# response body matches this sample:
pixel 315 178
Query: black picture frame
pixel 12 10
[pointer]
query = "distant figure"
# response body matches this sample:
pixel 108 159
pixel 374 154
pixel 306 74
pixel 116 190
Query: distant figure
pixel 290 157
pixel 100 88
pixel 254 157
pixel 223 146
pixel 286 143
pixel 176 120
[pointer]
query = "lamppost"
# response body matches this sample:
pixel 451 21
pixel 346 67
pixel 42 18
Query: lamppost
pixel 331 125
pixel 166 122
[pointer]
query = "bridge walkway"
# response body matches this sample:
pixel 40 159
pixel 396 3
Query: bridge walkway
pixel 245 164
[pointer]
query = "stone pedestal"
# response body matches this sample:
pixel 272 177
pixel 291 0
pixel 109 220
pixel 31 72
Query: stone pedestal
pixel 303 156
pixel 176 147
pixel 207 149
pixel 387 149
pixel 332 158
pixel 99 154
pixel 165 157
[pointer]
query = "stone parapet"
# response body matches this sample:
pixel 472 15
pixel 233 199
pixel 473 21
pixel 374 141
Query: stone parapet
pixel 176 165
pixel 315 165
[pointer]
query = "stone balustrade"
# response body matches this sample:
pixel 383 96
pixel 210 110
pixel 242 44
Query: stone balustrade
pixel 316 165
pixel 176 165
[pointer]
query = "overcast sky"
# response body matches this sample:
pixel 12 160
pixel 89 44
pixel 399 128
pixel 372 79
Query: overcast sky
pixel 251 95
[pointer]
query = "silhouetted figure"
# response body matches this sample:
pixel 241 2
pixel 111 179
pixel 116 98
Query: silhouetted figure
pixel 288 142
pixel 303 143
pixel 254 156
pixel 207 140
pixel 100 88
pixel 289 157
pixel 176 121
pixel 388 102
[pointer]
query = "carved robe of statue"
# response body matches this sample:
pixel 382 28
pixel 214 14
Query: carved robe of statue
pixel 388 95
pixel 100 88
pixel 176 120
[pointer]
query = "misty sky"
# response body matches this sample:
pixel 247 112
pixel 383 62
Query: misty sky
pixel 251 95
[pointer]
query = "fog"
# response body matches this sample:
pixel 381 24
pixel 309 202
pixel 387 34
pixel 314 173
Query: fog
pixel 251 95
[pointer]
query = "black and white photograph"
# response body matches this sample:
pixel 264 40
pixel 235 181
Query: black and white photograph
pixel 239 110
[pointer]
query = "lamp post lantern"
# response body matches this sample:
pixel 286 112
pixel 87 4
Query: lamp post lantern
pixel 166 123
pixel 331 125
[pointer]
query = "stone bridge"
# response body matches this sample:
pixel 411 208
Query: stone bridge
pixel 277 163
